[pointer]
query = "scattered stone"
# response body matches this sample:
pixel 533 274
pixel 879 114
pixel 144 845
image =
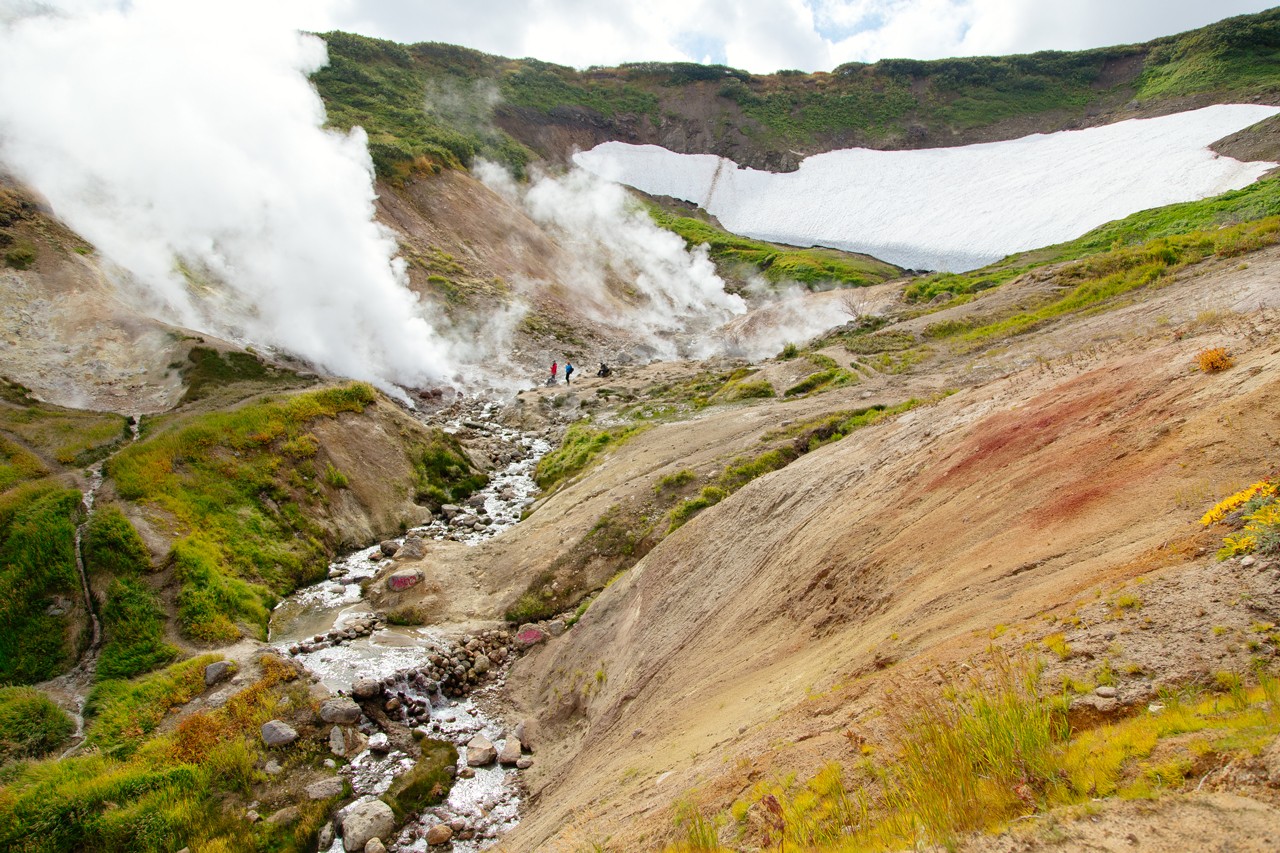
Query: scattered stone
pixel 393 704
pixel 326 837
pixel 278 733
pixel 287 816
pixel 372 819
pixel 510 752
pixel 421 733
pixel 439 834
pixel 450 510
pixel 388 547
pixel 330 763
pixel 403 579
pixel 343 710
pixel 366 688
pixel 480 751
pixel 380 743
pixel 273 768
pixel 1247 561
pixel 375 845
pixel 337 743
pixel 1106 692
pixel 556 627
pixel 329 786
pixel 412 549
pixel 252 816
pixel 524 762
pixel 216 671
pixel 467 773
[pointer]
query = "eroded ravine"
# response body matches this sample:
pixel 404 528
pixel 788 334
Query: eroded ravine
pixel 425 677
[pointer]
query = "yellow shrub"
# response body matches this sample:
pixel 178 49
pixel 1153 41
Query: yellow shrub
pixel 1214 360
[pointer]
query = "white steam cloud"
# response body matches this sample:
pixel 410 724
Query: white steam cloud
pixel 624 269
pixel 186 143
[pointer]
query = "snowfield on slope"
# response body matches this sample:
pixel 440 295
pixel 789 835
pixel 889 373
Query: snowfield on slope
pixel 954 209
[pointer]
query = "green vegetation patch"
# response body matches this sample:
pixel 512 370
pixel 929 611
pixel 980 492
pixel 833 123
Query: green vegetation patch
pixel 428 783
pixel 31 726
pixel 112 546
pixel 812 267
pixel 444 473
pixel 243 485
pixel 157 793
pixel 581 445
pixel 37 565
pixel 207 369
pixel 133 628
pixel 18 465
pixel 123 713
pixel 68 436
pixel 1099 279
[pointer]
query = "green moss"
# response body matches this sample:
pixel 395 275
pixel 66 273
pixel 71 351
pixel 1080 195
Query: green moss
pixel 18 465
pixel 207 369
pixel 444 473
pixel 812 267
pixel 133 630
pixel 823 380
pixel 37 563
pixel 581 445
pixel 123 713
pixel 31 726
pixel 252 511
pixel 70 436
pixel 428 783
pixel 112 546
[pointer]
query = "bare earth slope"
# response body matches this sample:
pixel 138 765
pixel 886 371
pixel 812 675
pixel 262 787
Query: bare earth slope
pixel 747 641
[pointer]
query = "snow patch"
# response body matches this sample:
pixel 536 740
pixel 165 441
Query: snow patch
pixel 954 209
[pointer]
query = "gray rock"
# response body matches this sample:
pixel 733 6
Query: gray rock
pixel 1247 561
pixel 273 768
pixel 287 816
pixel 412 549
pixel 450 510
pixel 278 733
pixel 1106 692
pixel 510 752
pixel 366 688
pixel 556 627
pixel 375 845
pixel 216 671
pixel 326 837
pixel 323 789
pixel 480 751
pixel 482 664
pixel 342 710
pixel 380 742
pixel 372 819
pixel 337 743
pixel 389 547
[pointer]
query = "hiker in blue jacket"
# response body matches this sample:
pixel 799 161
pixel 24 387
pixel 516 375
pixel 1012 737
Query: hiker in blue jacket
pixel 568 371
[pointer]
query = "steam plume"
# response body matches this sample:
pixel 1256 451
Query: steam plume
pixel 186 143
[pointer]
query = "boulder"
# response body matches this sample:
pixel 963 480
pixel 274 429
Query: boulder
pixel 366 688
pixel 529 636
pixel 389 547
pixel 480 751
pixel 510 752
pixel 216 671
pixel 337 743
pixel 412 549
pixel 450 510
pixel 278 733
pixel 380 743
pixel 372 819
pixel 403 579
pixel 439 834
pixel 527 733
pixel 342 710
pixel 329 786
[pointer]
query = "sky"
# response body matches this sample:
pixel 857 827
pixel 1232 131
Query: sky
pixel 763 36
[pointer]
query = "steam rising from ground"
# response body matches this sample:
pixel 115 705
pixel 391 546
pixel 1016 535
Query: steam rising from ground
pixel 186 143
pixel 624 269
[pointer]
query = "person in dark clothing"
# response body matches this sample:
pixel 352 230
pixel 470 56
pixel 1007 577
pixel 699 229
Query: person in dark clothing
pixel 568 371
pixel 604 370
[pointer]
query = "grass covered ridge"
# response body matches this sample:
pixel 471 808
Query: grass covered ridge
pixel 248 490
pixel 581 445
pixel 37 565
pixel 31 726
pixel 812 267
pixel 987 751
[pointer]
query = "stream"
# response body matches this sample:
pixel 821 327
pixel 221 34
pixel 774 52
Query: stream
pixel 331 630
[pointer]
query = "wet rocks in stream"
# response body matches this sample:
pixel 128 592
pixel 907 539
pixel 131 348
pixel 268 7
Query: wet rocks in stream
pixel 338 636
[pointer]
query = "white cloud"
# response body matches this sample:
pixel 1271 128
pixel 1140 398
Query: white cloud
pixel 765 35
